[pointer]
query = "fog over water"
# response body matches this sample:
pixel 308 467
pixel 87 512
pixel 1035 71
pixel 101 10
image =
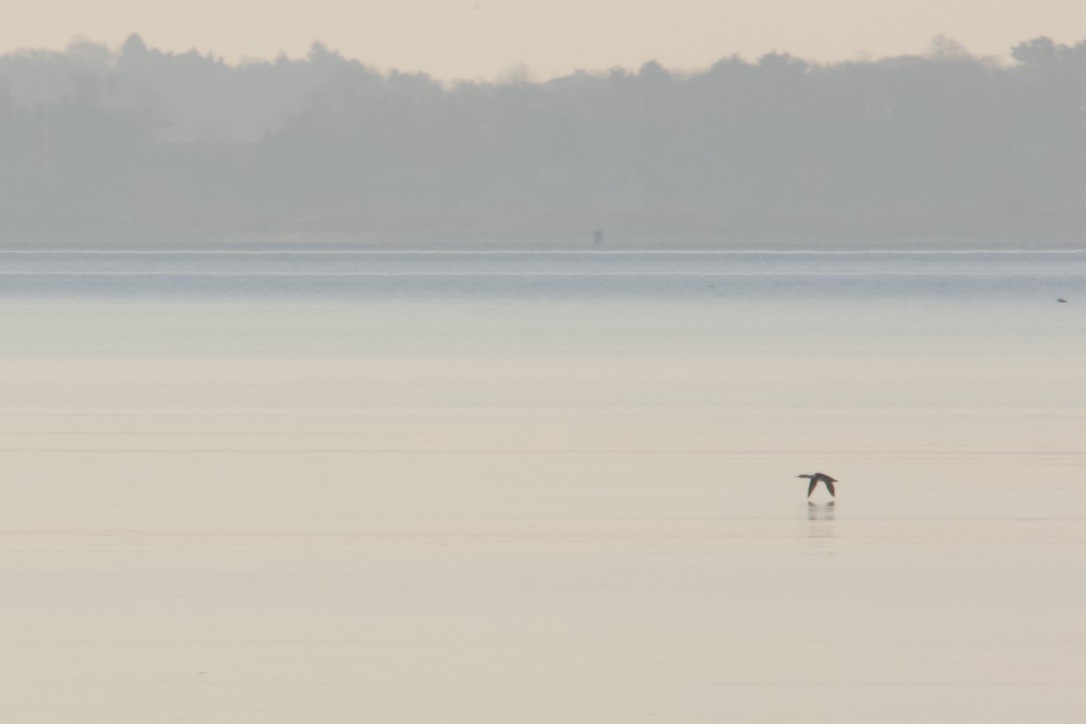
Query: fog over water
pixel 334 393
pixel 275 484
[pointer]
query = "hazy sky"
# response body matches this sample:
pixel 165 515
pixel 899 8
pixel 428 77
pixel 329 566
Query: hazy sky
pixel 485 38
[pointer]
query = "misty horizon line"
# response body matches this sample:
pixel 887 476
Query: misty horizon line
pixel 949 149
pixel 940 47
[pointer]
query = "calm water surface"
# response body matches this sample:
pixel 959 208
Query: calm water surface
pixel 275 485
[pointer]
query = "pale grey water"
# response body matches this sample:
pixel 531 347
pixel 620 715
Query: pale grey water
pixel 357 485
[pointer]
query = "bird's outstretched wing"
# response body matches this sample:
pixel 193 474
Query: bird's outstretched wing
pixel 829 484
pixel 811 487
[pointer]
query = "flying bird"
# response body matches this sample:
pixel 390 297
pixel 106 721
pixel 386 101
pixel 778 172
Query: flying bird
pixel 1061 300
pixel 816 479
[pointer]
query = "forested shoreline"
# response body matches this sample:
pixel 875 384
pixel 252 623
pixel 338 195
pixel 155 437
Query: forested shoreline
pixel 133 145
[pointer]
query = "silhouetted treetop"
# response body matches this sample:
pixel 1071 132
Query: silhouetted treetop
pixel 142 142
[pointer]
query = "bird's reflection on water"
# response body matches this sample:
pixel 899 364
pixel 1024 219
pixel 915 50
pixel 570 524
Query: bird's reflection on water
pixel 820 519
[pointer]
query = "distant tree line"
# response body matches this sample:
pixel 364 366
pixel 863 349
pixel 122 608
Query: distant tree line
pixel 138 145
